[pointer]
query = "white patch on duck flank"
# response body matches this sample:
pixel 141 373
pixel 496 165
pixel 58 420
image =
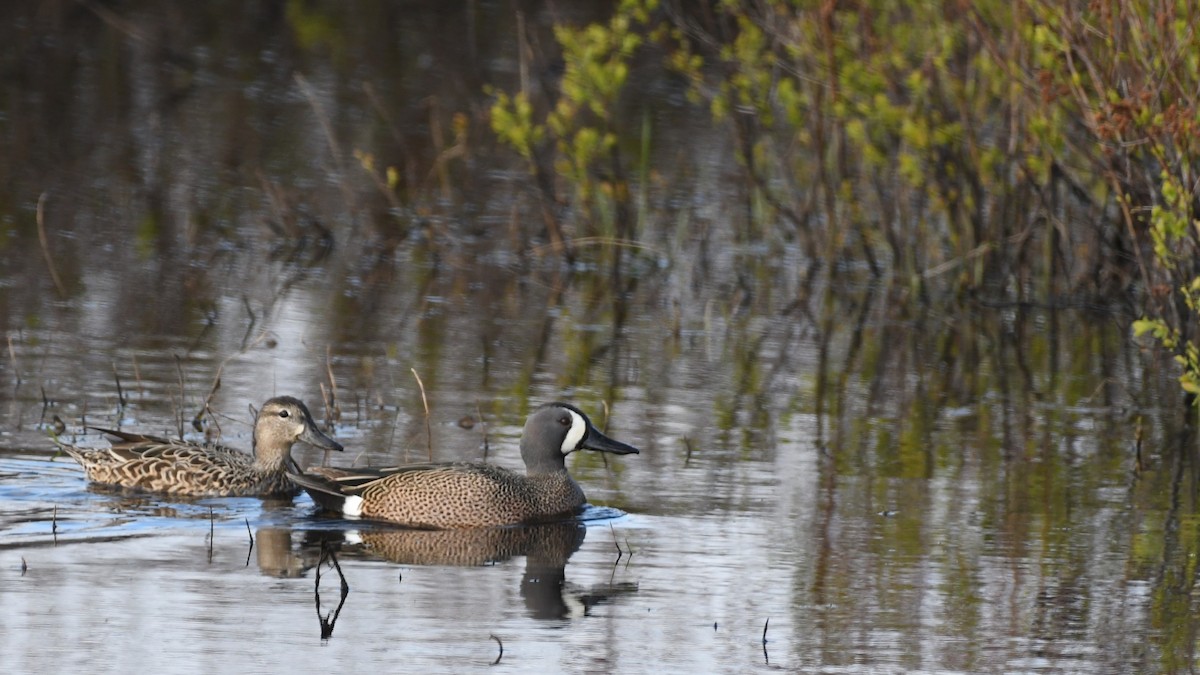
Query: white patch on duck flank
pixel 352 507
pixel 574 434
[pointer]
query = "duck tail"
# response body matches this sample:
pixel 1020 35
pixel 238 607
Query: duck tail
pixel 325 492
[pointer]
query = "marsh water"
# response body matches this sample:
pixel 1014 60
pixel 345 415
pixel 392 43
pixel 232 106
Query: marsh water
pixel 834 476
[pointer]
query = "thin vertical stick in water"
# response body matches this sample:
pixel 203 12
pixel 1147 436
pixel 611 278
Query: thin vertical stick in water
pixel 41 225
pixel 251 535
pixel 604 428
pixel 522 54
pixel 120 392
pixel 211 520
pixel 182 395
pixel 335 149
pixel 392 437
pixel 325 396
pixel 250 327
pixel 501 645
pixel 341 577
pixel 425 402
pixel 482 423
pixel 12 357
pixel 329 620
pixel 206 407
pixel 332 412
pixel 766 657
pixel 322 118
pixel 1138 466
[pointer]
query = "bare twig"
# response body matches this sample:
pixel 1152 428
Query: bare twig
pixel 329 620
pixel 335 150
pixel 392 437
pixel 41 225
pixel 206 408
pixel 620 553
pixel 120 392
pixel 482 423
pixel 604 428
pixel 425 402
pixel 342 577
pixel 601 241
pixel 766 657
pixel 499 644
pixel 198 420
pixel 12 356
pixel 182 394
pixel 114 20
pixel 250 327
pixel 251 535
pixel 1138 465
pixel 322 118
pixel 332 412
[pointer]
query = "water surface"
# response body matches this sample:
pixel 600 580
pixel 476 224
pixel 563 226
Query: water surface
pixel 894 486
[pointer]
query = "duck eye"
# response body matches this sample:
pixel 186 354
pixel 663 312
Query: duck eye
pixel 284 414
pixel 565 420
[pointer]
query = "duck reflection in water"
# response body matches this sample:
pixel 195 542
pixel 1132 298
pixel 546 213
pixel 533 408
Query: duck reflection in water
pixel 547 547
pixel 276 556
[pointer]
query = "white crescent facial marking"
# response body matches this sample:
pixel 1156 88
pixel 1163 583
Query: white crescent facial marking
pixel 574 434
pixel 352 507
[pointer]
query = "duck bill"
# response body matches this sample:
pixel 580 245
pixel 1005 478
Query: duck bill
pixel 601 443
pixel 313 436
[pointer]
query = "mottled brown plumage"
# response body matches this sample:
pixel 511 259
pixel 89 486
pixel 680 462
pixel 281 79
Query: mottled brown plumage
pixel 208 470
pixel 463 494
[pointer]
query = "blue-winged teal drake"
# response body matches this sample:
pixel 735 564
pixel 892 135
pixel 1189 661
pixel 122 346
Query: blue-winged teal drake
pixel 462 494
pixel 209 470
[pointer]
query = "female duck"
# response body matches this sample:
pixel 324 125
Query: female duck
pixel 208 470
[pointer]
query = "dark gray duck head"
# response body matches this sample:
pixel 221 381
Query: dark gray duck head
pixel 555 430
